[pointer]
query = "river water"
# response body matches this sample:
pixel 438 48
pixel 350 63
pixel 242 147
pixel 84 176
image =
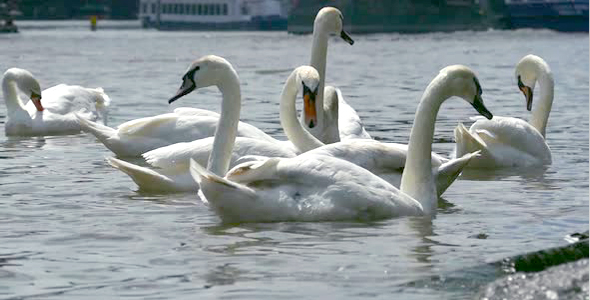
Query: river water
pixel 72 227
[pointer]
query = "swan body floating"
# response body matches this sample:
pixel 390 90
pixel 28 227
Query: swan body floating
pixel 333 119
pixel 135 137
pixel 172 161
pixel 512 142
pixel 51 112
pixel 313 187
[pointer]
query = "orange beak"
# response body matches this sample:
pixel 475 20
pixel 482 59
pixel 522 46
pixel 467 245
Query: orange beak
pixel 310 113
pixel 37 101
pixel 528 94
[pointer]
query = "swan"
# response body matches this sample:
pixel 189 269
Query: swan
pixel 333 119
pixel 173 161
pixel 511 142
pixel 55 114
pixel 184 124
pixel 312 187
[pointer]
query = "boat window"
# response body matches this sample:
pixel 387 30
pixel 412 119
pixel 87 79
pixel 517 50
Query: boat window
pixel 163 8
pixel 153 8
pixel 217 9
pixel 144 8
pixel 180 9
pixel 225 9
pixel 199 9
pixel 205 9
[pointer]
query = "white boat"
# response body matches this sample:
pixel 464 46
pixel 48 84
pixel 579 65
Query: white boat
pixel 213 14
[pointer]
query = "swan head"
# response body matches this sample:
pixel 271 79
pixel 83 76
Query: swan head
pixel 526 73
pixel 206 71
pixel 308 81
pixel 329 19
pixel 27 83
pixel 464 83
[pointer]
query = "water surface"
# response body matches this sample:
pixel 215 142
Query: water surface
pixel 72 227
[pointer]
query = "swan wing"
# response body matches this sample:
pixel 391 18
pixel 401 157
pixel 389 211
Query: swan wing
pixel 447 172
pixel 171 163
pixel 63 99
pixel 512 141
pixel 191 111
pixel 350 125
pixel 177 155
pixel 372 155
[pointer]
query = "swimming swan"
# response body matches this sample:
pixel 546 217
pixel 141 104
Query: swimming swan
pixel 54 114
pixel 512 142
pixel 323 188
pixel 184 124
pixel 173 161
pixel 333 119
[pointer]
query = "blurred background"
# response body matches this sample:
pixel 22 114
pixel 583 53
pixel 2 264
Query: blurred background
pixel 297 15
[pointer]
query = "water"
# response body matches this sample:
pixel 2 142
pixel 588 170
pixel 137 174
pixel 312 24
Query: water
pixel 71 227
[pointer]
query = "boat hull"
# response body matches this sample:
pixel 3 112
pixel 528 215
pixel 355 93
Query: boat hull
pixel 571 16
pixel 257 23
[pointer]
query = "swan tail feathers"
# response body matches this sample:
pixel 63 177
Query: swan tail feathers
pixel 201 174
pixel 101 132
pixel 253 170
pixel 467 142
pixel 450 170
pixel 220 192
pixel 146 179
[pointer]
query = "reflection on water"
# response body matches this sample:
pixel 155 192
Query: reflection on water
pixel 72 227
pixel 17 143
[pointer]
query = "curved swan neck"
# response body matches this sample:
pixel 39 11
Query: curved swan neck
pixel 227 127
pixel 417 180
pixel 319 52
pixel 11 97
pixel 295 132
pixel 541 112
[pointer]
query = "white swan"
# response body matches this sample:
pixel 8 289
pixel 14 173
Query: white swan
pixel 512 142
pixel 333 119
pixel 185 124
pixel 55 113
pixel 173 161
pixel 320 188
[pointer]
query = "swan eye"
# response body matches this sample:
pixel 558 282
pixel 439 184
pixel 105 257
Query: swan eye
pixel 520 84
pixel 190 73
pixel 477 86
